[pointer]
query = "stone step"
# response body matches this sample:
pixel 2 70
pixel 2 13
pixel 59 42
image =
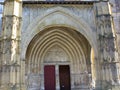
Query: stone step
pixel 116 88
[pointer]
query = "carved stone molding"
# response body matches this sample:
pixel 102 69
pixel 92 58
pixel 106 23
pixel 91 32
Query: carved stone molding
pixel 104 24
pixel 11 27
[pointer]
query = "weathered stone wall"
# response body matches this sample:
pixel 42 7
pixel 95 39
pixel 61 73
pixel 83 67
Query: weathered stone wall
pixel 33 14
pixel 1 11
pixel 38 17
pixel 116 17
pixel 94 22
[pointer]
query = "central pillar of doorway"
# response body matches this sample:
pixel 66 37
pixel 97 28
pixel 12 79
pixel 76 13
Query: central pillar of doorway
pixel 57 77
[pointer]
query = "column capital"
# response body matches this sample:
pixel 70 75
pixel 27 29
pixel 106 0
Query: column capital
pixel 103 8
pixel 13 7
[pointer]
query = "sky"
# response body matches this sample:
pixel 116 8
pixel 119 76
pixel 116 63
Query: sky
pixel 1 0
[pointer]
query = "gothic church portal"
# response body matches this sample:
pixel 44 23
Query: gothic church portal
pixel 58 45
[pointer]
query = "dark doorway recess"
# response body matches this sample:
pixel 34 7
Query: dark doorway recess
pixel 64 75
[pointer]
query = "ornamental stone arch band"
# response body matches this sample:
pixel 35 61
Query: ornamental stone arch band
pixel 59 46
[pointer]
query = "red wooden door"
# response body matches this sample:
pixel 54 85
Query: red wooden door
pixel 49 77
pixel 64 75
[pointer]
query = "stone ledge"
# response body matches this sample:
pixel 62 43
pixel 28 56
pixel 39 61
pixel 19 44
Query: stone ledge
pixel 60 2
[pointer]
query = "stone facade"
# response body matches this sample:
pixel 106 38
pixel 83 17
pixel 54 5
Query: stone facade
pixel 37 34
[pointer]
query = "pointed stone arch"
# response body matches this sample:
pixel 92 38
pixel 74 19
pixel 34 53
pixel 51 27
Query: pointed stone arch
pixel 65 40
pixel 60 28
pixel 63 18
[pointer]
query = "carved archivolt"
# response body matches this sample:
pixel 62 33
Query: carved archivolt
pixel 59 45
pixel 72 49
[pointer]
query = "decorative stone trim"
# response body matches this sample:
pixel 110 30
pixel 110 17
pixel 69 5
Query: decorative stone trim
pixel 60 2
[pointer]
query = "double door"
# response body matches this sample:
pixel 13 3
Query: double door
pixel 50 77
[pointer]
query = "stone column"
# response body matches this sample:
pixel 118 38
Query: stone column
pixel 107 46
pixel 11 33
pixel 57 77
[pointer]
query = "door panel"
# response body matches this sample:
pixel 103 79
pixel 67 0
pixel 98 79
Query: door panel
pixel 64 75
pixel 49 77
